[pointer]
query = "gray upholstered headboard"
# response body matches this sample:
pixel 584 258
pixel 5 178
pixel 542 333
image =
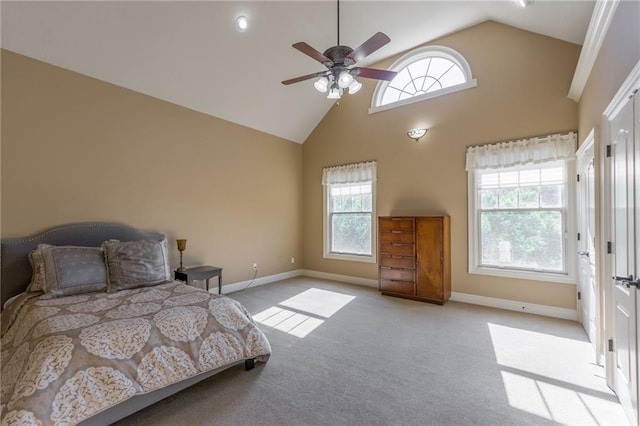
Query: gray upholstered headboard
pixel 15 268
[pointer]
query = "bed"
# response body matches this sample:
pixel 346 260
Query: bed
pixel 81 351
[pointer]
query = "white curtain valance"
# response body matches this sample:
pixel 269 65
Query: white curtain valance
pixel 523 151
pixel 349 173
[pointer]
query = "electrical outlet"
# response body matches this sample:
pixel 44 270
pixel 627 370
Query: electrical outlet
pixel 255 266
pixel 293 260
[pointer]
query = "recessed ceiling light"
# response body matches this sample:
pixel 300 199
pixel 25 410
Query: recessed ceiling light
pixel 523 3
pixel 242 23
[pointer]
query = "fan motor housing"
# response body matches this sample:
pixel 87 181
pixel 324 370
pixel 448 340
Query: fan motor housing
pixel 338 54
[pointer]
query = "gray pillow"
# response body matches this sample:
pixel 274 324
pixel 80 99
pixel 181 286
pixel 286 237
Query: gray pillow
pixel 72 270
pixel 135 264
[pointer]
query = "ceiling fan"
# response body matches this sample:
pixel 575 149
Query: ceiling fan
pixel 339 60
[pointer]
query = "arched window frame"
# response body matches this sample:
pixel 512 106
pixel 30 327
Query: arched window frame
pixel 416 55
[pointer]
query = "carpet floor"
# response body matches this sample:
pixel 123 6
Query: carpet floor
pixel 346 355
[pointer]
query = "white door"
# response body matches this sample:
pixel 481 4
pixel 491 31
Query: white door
pixel 623 261
pixel 587 291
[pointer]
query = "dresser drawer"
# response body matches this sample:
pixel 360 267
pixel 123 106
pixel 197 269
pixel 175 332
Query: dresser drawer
pixel 387 273
pixel 398 249
pixel 398 223
pixel 394 286
pixel 397 261
pixel 396 236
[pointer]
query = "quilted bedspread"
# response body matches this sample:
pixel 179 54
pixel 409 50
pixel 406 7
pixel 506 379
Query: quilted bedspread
pixel 66 359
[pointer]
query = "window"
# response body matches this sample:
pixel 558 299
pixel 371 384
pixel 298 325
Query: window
pixel 423 74
pixel 520 216
pixel 349 205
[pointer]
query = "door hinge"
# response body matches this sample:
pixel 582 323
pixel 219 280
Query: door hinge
pixel 577 178
pixel 578 236
pixel 609 248
pixel 610 344
pixel 608 151
pixel 579 296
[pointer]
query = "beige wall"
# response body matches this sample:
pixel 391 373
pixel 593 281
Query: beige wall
pixel 523 80
pixel 78 149
pixel 618 55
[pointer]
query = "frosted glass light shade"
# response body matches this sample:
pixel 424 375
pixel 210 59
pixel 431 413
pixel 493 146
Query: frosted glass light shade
pixel 321 84
pixel 345 79
pixel 355 87
pixel 416 134
pixel 334 93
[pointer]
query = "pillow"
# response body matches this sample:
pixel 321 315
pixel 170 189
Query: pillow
pixel 70 270
pixel 37 266
pixel 135 264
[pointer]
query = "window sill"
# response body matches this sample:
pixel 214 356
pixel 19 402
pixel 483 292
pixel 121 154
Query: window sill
pixel 350 257
pixel 524 275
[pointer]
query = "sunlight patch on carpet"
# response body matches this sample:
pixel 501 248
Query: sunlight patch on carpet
pixel 553 377
pixel 301 317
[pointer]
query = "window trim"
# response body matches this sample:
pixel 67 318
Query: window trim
pixel 474 255
pixel 326 230
pixel 415 55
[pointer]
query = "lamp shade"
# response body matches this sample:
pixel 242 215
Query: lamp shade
pixel 321 84
pixel 416 134
pixel 355 87
pixel 345 79
pixel 334 93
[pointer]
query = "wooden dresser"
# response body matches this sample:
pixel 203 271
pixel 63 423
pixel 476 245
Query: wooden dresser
pixel 414 257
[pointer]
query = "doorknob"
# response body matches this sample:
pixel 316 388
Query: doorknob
pixel 583 253
pixel 628 281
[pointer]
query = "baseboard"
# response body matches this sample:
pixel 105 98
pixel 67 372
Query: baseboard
pixel 231 288
pixel 514 305
pixel 367 282
pixel 510 305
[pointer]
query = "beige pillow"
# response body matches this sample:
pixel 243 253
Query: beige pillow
pixel 135 264
pixel 70 270
pixel 37 266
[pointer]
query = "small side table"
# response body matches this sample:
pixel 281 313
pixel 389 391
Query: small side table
pixel 201 273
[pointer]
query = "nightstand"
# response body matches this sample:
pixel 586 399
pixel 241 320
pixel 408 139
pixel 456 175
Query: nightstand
pixel 201 273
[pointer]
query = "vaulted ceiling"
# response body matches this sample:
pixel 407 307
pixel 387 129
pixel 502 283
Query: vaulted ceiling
pixel 190 53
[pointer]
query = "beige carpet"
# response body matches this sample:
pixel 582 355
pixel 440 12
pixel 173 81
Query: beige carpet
pixel 345 355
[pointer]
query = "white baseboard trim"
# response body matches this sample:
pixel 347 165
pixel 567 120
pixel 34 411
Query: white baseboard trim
pixel 510 305
pixel 514 305
pixel 367 282
pixel 231 288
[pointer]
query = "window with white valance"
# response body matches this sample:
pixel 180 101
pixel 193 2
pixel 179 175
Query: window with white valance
pixel 520 208
pixel 349 211
pixel 522 152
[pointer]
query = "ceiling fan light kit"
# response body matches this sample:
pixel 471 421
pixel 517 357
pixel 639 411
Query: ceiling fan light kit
pixel 339 61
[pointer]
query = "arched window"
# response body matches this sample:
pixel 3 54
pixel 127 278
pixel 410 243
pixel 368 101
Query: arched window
pixel 423 74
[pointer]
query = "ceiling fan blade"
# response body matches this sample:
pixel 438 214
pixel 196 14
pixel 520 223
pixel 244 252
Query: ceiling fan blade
pixel 303 78
pixel 374 43
pixel 372 73
pixel 310 51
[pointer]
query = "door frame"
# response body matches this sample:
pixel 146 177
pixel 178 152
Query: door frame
pixel 631 83
pixel 593 140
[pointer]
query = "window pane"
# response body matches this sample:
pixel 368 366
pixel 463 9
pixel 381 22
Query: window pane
pixel 551 196
pixel 488 199
pixel 452 77
pixel 522 239
pixel 508 198
pixel 530 177
pixel 351 233
pixel 508 179
pixel 489 180
pixel 552 175
pixel 528 197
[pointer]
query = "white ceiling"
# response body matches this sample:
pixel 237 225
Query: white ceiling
pixel 189 53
